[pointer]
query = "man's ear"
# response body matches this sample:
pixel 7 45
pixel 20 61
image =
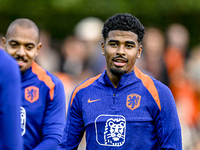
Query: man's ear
pixel 103 47
pixel 4 42
pixel 38 48
pixel 139 51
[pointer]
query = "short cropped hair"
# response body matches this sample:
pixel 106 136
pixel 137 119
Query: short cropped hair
pixel 24 23
pixel 124 22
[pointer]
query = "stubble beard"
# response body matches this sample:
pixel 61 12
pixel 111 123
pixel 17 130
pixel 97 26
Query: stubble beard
pixel 117 71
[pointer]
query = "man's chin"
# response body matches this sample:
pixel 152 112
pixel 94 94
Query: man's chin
pixel 22 70
pixel 117 71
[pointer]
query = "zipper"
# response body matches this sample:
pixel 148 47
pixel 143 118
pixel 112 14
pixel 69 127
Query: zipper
pixel 114 95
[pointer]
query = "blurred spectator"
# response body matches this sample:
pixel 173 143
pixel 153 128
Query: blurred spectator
pixel 74 53
pixel 193 73
pixel 175 57
pixel 1 44
pixel 48 57
pixel 193 70
pixel 89 30
pixel 177 37
pixel 69 84
pixel 152 57
pixel 82 51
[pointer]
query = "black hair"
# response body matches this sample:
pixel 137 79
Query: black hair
pixel 124 22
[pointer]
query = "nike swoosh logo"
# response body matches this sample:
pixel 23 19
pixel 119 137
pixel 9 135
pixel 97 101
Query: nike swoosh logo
pixel 90 101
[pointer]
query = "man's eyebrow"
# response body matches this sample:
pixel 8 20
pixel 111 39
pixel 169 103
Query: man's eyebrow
pixel 116 41
pixel 18 42
pixel 130 42
pixel 13 41
pixel 113 41
pixel 30 44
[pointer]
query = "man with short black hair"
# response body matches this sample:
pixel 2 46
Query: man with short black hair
pixel 122 108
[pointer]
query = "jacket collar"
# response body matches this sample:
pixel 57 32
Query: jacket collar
pixel 126 79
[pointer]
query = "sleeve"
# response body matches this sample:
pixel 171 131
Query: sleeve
pixel 167 122
pixel 10 101
pixel 54 119
pixel 74 128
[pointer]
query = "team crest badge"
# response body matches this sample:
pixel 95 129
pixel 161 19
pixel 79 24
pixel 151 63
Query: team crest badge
pixel 31 93
pixel 133 101
pixel 110 130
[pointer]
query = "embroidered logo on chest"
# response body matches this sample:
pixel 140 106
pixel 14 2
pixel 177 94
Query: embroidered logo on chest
pixel 31 93
pixel 110 130
pixel 133 101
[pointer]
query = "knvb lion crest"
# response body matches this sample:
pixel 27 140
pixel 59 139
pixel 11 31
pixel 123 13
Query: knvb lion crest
pixel 114 134
pixel 133 101
pixel 31 93
pixel 110 130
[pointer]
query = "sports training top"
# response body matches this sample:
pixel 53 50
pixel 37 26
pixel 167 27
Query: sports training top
pixel 10 101
pixel 139 114
pixel 43 109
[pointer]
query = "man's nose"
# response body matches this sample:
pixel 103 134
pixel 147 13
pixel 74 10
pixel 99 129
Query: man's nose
pixel 21 51
pixel 121 50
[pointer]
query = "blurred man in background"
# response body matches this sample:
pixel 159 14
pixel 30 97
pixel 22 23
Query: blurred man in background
pixel 43 98
pixel 152 60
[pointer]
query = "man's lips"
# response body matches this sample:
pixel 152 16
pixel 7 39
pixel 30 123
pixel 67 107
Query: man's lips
pixel 20 62
pixel 120 62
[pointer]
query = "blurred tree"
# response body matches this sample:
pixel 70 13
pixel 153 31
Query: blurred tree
pixel 60 16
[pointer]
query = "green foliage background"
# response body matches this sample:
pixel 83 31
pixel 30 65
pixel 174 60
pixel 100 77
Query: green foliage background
pixel 60 16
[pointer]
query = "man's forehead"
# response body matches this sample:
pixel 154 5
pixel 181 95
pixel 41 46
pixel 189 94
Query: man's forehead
pixel 122 35
pixel 17 32
pixel 18 28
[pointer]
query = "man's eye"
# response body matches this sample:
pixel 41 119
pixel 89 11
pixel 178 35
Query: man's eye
pixel 13 45
pixel 29 47
pixel 113 44
pixel 129 46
